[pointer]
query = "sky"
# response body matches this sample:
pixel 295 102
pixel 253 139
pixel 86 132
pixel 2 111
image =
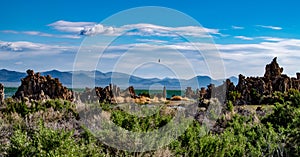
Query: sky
pixel 179 39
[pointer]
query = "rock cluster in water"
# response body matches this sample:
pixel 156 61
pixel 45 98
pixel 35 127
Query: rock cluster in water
pixel 108 94
pixel 37 87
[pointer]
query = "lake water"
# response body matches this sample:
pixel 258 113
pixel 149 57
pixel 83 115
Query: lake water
pixel 170 93
pixel 10 91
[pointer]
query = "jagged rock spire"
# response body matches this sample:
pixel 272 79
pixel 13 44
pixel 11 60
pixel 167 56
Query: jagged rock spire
pixel 273 69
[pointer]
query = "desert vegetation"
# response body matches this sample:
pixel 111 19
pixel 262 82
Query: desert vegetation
pixel 52 128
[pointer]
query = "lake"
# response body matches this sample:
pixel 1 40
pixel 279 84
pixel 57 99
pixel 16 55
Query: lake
pixel 9 91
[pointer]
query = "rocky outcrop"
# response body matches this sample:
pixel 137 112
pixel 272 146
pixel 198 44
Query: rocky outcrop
pixel 250 90
pixel 37 87
pixel 202 93
pixel 89 95
pixel 273 70
pixel 189 93
pixel 1 94
pixel 253 89
pixel 107 94
pixel 129 92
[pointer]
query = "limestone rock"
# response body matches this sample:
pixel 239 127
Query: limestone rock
pixel 108 94
pixel 189 93
pixel 1 94
pixel 164 95
pixel 202 93
pixel 253 88
pixel 273 70
pixel 129 92
pixel 37 87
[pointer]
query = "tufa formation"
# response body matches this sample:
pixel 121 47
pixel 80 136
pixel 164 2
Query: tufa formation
pixel 250 90
pixel 37 87
pixel 1 94
pixel 108 94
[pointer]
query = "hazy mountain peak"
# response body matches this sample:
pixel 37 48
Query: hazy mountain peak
pixel 98 78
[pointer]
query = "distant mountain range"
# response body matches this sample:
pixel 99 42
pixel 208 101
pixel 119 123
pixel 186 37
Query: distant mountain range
pixel 83 79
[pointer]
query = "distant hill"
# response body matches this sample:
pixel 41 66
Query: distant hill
pixel 96 78
pixel 10 76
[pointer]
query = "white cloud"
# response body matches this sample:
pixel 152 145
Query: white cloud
pixel 72 27
pixel 237 27
pixel 271 38
pixel 248 59
pixel 23 55
pixel 265 38
pixel 37 33
pixel 67 36
pixel 143 29
pixel 151 29
pixel 99 29
pixel 9 31
pixel 18 63
pixel 151 41
pixel 25 46
pixel 270 27
pixel 252 58
pixel 244 38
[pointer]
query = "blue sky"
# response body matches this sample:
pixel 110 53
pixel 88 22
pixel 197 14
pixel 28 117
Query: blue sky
pixel 248 34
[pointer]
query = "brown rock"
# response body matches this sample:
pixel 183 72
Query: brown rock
pixel 30 72
pixel 242 82
pixel 176 98
pixel 253 88
pixel 99 94
pixel 164 92
pixel 273 70
pixel 1 94
pixel 129 92
pixel 202 93
pixel 37 87
pixel 189 93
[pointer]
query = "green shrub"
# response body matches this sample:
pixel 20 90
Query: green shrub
pixel 234 95
pixel 135 123
pixel 294 97
pixel 241 138
pixel 285 119
pixel 43 142
pixel 276 134
pixel 106 106
pixel 229 106
pixel 24 108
